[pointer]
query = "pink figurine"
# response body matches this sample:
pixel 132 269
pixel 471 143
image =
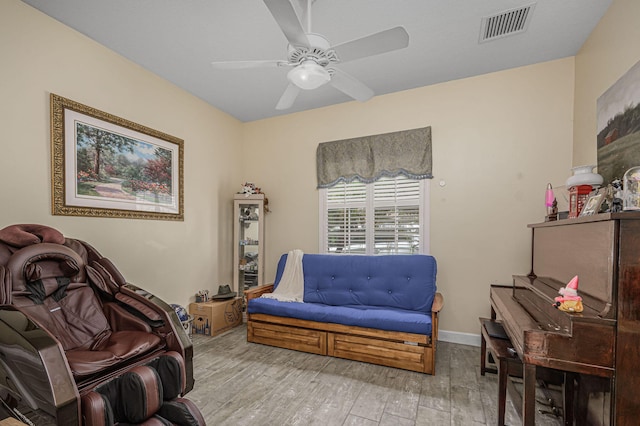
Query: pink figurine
pixel 569 301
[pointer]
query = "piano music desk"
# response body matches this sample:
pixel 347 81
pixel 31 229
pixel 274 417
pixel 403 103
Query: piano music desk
pixel 507 364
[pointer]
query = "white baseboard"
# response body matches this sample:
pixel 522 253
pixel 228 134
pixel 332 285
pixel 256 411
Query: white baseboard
pixel 460 338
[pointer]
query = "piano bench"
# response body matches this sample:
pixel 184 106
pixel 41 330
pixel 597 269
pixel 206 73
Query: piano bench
pixel 508 364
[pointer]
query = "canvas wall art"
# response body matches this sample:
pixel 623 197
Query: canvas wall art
pixel 618 117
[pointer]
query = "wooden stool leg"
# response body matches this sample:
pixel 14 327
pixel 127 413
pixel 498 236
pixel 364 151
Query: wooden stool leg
pixel 529 395
pixel 568 392
pixel 503 377
pixel 483 355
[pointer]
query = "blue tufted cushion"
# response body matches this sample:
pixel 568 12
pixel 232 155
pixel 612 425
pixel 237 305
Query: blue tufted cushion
pixel 404 282
pixel 390 319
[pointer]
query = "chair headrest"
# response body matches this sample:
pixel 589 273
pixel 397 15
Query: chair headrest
pixel 45 260
pixel 27 234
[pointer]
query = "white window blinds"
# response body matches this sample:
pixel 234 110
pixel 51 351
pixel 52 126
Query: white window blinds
pixel 346 224
pixel 383 217
pixel 396 216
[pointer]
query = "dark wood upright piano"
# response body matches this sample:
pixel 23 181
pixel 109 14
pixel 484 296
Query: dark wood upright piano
pixel 604 340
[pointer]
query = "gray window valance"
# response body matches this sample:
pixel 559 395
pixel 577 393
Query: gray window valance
pixel 369 158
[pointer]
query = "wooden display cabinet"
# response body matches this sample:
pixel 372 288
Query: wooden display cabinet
pixel 248 232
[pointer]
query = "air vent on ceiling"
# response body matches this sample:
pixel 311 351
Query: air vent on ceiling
pixel 509 22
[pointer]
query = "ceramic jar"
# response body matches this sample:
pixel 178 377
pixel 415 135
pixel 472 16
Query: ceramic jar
pixel 584 175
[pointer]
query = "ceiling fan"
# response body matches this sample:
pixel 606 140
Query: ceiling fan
pixel 311 57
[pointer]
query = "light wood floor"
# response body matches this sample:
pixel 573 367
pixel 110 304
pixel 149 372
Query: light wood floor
pixel 240 383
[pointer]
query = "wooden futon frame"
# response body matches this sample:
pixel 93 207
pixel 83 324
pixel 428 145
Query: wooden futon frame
pixel 415 352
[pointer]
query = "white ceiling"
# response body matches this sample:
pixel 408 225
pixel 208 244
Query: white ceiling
pixel 178 40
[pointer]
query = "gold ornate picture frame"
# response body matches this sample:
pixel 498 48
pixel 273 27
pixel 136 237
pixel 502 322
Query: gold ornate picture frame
pixel 105 166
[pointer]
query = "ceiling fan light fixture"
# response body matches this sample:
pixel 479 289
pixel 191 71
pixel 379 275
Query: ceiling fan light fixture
pixel 309 75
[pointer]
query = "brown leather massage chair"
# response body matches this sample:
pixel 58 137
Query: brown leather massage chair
pixel 81 346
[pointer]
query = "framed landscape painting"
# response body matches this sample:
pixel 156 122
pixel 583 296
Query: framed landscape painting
pixel 106 166
pixel 618 116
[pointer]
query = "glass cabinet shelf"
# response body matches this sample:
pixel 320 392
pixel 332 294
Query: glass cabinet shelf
pixel 248 251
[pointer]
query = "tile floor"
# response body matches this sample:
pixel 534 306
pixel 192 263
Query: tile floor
pixel 240 383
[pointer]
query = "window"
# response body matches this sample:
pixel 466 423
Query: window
pixel 388 216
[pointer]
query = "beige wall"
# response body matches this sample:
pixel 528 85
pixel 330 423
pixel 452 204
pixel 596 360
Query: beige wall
pixel 497 140
pixel 608 53
pixel 41 56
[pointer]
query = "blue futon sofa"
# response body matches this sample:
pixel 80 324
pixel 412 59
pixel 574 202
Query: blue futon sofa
pixel 377 309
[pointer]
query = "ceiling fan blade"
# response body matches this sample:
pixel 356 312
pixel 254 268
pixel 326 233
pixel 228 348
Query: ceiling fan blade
pixel 288 97
pixel 350 86
pixel 286 17
pixel 374 44
pixel 237 65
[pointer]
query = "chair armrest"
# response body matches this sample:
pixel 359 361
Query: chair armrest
pixel 254 293
pixel 34 361
pixel 438 303
pixel 121 319
pixel 436 306
pixel 177 338
pixel 145 309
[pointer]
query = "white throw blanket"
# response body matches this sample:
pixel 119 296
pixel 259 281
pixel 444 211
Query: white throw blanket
pixel 291 285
